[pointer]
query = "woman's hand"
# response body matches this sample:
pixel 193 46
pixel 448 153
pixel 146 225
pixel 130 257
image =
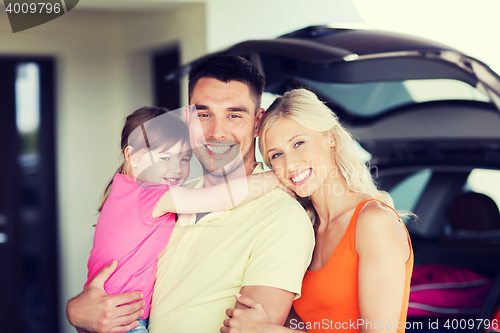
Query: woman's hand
pixel 251 320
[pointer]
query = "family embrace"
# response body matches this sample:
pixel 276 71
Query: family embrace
pixel 242 250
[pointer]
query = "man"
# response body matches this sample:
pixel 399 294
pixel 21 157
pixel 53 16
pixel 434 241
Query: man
pixel 260 250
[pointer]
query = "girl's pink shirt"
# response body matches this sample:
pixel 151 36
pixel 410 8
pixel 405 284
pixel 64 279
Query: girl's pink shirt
pixel 126 231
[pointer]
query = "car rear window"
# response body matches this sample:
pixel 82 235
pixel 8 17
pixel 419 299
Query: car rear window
pixel 407 193
pixel 374 98
pixel 486 182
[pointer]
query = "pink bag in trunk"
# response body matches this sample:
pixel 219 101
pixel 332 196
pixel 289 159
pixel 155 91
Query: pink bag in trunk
pixel 446 291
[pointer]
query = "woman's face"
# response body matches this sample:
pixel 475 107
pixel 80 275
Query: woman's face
pixel 302 158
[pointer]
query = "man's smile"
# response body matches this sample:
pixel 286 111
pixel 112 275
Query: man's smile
pixel 219 150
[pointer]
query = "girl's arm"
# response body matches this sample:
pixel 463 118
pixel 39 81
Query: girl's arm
pixel 383 249
pixel 252 320
pixel 233 193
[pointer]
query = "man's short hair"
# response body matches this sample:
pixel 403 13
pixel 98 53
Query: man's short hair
pixel 227 68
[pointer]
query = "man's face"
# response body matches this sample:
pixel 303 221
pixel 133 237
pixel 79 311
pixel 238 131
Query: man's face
pixel 229 125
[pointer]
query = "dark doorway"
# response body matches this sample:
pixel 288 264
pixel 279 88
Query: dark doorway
pixel 167 93
pixel 28 223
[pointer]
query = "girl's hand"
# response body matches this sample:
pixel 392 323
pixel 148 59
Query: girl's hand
pixel 251 320
pixel 287 190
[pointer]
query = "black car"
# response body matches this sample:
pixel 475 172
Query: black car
pixel 428 115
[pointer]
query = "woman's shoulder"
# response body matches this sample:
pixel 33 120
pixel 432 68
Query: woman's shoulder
pixel 378 213
pixel 379 226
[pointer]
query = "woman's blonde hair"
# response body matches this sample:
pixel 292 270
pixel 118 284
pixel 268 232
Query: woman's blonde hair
pixel 303 107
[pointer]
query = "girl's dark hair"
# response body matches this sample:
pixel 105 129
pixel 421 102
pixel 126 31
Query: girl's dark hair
pixel 148 128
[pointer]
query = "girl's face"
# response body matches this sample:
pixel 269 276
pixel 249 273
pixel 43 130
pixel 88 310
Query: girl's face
pixel 162 166
pixel 301 158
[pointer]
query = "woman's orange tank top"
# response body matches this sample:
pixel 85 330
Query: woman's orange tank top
pixel 329 298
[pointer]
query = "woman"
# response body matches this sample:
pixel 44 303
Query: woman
pixel 359 276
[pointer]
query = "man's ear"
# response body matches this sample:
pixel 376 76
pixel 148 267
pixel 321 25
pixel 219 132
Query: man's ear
pixel 187 114
pixel 258 120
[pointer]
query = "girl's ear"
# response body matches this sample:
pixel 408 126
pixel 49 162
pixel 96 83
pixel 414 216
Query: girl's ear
pixel 127 152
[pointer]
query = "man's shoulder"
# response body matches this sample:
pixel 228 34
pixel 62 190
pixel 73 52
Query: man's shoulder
pixel 280 199
pixel 284 226
pixel 278 207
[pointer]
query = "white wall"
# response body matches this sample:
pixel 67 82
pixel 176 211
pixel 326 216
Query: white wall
pixel 469 26
pixel 145 33
pixel 229 22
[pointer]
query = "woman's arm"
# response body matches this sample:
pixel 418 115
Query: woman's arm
pixel 233 193
pixel 251 320
pixel 383 249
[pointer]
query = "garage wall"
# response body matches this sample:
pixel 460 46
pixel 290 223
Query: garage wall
pixel 102 62
pixel 85 47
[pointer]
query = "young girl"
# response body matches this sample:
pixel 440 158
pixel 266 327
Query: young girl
pixel 136 215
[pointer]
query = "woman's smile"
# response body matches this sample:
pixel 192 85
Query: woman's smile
pixel 301 177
